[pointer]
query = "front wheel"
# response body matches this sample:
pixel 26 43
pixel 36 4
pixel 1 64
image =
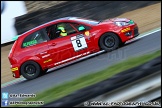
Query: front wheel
pixel 109 42
pixel 30 70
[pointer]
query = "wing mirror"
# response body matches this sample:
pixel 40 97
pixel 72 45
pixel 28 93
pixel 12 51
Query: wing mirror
pixel 81 28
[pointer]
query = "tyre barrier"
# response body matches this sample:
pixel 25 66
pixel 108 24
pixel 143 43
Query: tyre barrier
pixel 104 10
pixel 108 85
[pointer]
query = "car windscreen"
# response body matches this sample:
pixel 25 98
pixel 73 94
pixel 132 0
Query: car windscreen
pixel 92 22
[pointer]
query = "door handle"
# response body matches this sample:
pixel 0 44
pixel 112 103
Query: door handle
pixel 53 44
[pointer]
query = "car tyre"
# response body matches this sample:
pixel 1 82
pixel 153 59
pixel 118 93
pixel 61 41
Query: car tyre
pixel 122 44
pixel 44 72
pixel 30 70
pixel 109 42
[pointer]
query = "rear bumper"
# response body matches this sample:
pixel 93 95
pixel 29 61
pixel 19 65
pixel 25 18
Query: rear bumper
pixel 15 72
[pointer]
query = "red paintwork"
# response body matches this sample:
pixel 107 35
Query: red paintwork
pixel 63 48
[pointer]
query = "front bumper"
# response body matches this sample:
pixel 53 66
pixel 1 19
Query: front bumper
pixel 128 33
pixel 136 33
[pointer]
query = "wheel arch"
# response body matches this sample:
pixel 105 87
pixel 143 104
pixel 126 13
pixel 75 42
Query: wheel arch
pixel 108 32
pixel 32 61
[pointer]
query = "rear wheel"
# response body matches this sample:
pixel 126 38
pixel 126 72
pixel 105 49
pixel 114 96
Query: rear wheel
pixel 30 70
pixel 109 41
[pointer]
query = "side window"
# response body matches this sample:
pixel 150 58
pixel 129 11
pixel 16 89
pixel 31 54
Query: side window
pixel 34 38
pixel 66 29
pixel 52 32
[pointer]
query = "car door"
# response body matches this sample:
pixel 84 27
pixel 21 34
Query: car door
pixel 83 43
pixel 61 48
pixel 36 45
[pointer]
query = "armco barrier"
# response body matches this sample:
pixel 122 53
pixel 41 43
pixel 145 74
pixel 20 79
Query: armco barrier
pixel 98 10
pixel 119 80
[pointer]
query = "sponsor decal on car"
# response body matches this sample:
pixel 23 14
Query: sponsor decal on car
pixel 125 30
pixel 72 58
pixel 46 56
pixel 87 33
pixel 79 42
pixel 14 69
pixel 29 43
pixel 47 60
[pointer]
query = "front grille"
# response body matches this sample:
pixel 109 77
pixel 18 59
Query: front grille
pixel 136 31
pixel 128 33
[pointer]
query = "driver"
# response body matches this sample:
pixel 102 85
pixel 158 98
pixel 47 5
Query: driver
pixel 63 32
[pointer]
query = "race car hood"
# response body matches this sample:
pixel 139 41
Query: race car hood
pixel 119 19
pixel 114 20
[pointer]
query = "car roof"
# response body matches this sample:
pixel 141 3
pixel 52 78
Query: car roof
pixel 64 18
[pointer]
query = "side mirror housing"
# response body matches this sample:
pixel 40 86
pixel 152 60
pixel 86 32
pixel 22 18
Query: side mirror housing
pixel 81 28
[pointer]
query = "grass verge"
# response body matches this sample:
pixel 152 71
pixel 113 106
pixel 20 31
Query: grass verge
pixel 69 87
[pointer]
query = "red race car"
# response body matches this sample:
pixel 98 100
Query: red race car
pixel 65 40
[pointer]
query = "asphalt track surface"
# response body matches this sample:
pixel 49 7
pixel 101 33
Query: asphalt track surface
pixel 142 46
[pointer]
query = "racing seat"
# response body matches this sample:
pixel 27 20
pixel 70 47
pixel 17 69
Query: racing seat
pixel 52 32
pixel 58 33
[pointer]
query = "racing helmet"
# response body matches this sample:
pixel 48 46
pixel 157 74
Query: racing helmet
pixel 63 32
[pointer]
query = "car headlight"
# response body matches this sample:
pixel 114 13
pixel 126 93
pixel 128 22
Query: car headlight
pixel 121 23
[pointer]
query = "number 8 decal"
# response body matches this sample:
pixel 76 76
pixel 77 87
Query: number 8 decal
pixel 79 42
